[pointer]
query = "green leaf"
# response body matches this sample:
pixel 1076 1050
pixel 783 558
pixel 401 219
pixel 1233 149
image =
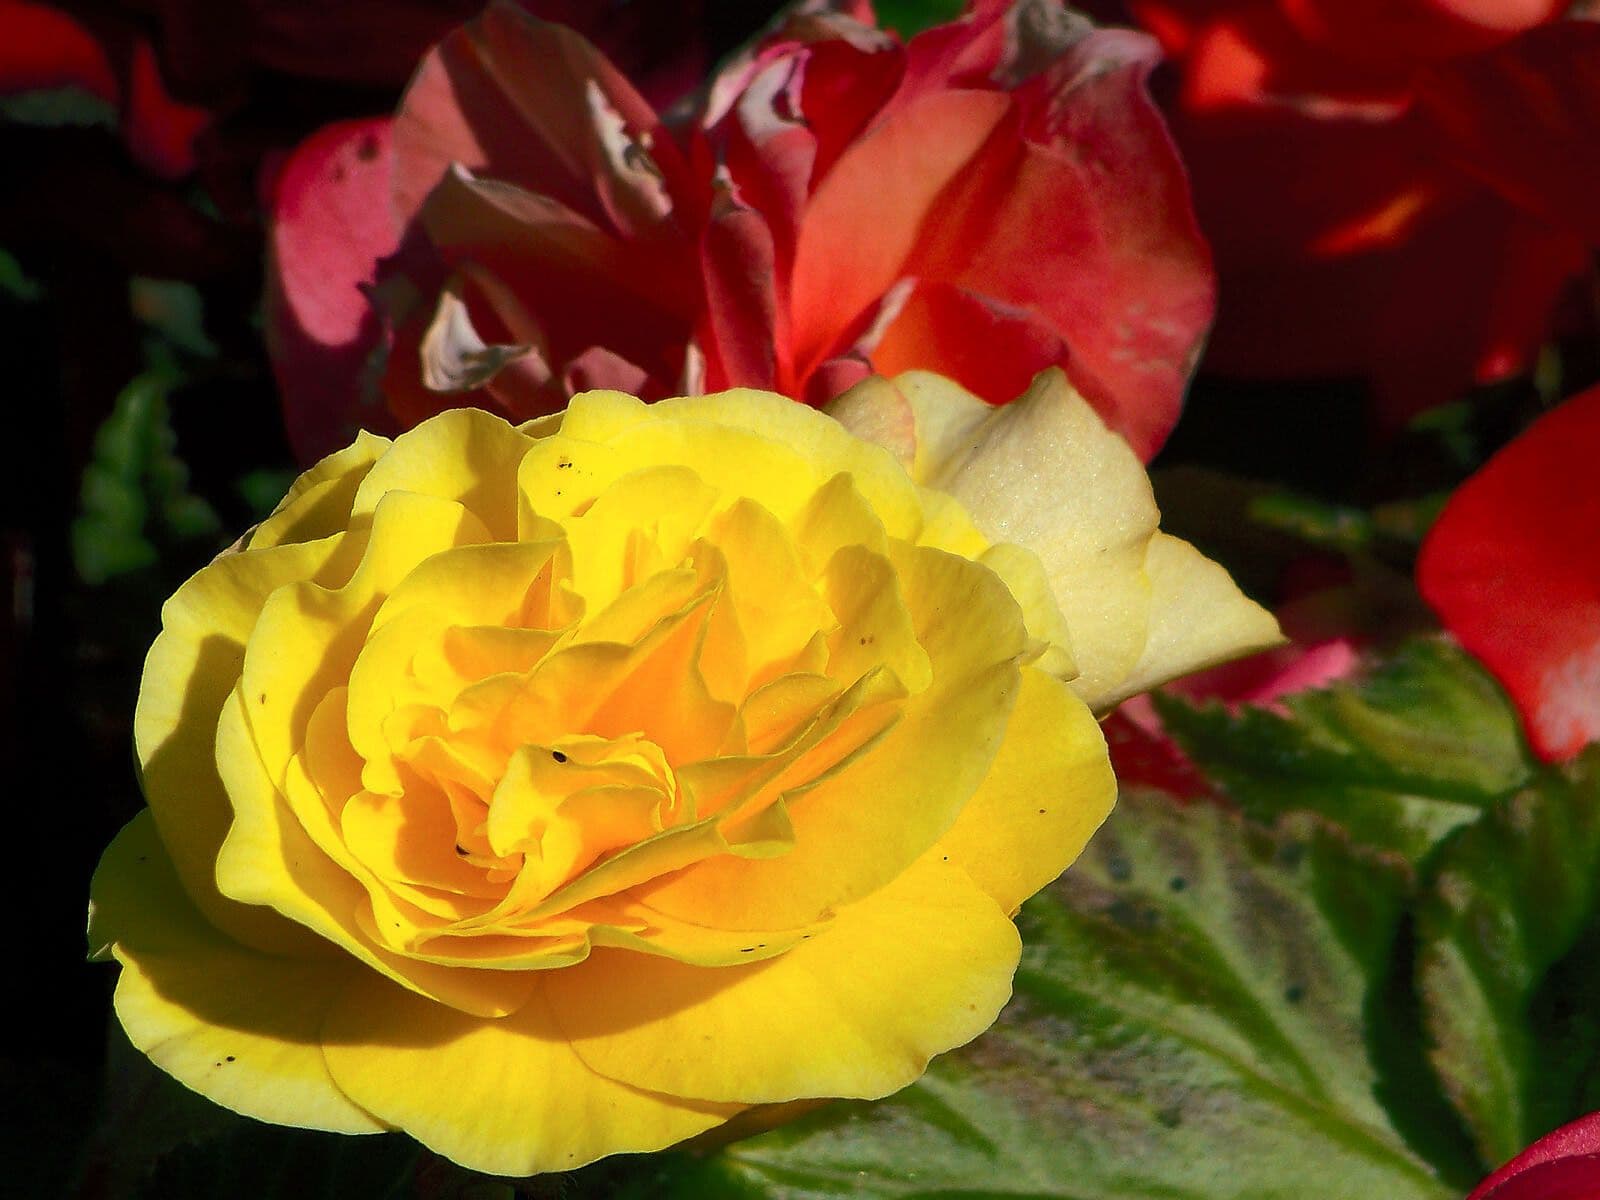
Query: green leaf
pixel 1188 1024
pixel 134 496
pixel 908 17
pixel 53 108
pixel 15 282
pixel 174 310
pixel 1401 758
pixel 1510 942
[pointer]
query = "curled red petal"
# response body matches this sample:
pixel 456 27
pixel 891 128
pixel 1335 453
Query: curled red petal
pixel 1511 570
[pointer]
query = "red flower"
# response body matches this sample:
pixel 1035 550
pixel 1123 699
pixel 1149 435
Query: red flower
pixel 994 197
pixel 1512 570
pixel 1394 189
pixel 1564 1165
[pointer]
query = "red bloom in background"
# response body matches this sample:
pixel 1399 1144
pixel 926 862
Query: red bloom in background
pixel 1512 569
pixel 1398 190
pixel 996 196
pixel 1564 1165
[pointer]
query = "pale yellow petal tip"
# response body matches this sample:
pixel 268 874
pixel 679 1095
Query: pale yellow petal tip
pixel 876 411
pixel 1199 618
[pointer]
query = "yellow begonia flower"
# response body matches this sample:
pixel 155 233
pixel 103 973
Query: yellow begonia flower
pixel 558 791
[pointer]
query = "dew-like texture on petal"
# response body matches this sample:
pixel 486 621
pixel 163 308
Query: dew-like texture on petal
pixel 921 966
pixel 510 1096
pixel 1049 789
pixel 234 1024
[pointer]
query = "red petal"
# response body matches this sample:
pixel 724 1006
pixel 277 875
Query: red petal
pixel 1511 569
pixel 45 48
pixel 990 349
pixel 864 221
pixel 532 103
pixel 1526 119
pixel 331 223
pixel 1399 31
pixel 159 130
pixel 1085 221
pixel 1564 1165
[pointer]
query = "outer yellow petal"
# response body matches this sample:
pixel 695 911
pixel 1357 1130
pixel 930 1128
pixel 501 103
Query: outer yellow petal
pixel 465 455
pixel 1045 473
pixel 1049 789
pixel 509 1096
pixel 318 502
pixel 240 1027
pixel 188 674
pixel 919 967
pixel 1198 618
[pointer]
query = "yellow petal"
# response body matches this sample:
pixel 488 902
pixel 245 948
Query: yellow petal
pixel 318 502
pixel 464 455
pixel 240 1027
pixel 188 674
pixel 1049 789
pixel 507 1097
pixel 270 858
pixel 862 826
pixel 919 967
pixel 1198 618
pixel 1045 473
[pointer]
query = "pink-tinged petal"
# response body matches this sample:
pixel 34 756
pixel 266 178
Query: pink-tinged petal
pixel 1510 568
pixel 533 103
pixel 1085 220
pixel 1564 1165
pixel 865 219
pixel 988 347
pixel 331 224
pixel 1525 118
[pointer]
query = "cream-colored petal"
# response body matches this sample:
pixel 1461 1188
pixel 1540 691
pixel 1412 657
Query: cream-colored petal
pixel 876 411
pixel 238 1026
pixel 507 1097
pixel 919 967
pixel 1198 618
pixel 1045 473
pixel 1049 789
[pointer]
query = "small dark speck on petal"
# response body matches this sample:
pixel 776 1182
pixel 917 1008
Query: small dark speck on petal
pixel 558 756
pixel 462 850
pixel 747 950
pixel 1041 812
pixel 230 1058
pixel 263 698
